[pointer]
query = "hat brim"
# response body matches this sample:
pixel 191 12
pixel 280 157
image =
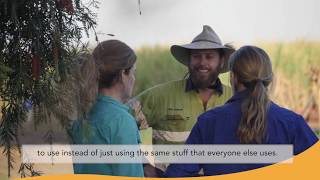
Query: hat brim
pixel 182 52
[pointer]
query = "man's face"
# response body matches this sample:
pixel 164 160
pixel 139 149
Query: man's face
pixel 204 67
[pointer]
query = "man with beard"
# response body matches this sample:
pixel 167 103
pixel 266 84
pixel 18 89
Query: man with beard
pixel 171 109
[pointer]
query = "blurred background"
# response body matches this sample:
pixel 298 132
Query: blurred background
pixel 289 30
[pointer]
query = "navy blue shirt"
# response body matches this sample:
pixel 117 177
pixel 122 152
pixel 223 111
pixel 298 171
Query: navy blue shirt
pixel 219 126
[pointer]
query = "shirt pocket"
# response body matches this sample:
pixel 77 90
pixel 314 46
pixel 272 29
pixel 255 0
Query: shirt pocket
pixel 176 119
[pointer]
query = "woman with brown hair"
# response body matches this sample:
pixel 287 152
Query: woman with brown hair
pixel 106 79
pixel 249 117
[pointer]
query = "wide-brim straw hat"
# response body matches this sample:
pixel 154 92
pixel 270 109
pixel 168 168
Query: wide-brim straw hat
pixel 207 39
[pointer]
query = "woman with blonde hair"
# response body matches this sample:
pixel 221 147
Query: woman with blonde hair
pixel 249 117
pixel 106 79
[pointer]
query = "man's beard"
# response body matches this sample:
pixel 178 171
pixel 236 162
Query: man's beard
pixel 203 80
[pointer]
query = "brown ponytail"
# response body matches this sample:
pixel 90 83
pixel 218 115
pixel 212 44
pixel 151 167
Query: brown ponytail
pixel 89 72
pixel 252 67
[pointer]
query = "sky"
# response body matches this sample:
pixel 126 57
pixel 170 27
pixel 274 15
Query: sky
pixel 168 22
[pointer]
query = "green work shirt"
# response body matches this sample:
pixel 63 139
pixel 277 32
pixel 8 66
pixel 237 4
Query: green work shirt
pixel 172 111
pixel 109 123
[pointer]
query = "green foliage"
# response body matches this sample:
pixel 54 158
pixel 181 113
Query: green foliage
pixel 294 59
pixel 4 70
pixel 318 133
pixel 156 65
pixel 28 167
pixel 35 41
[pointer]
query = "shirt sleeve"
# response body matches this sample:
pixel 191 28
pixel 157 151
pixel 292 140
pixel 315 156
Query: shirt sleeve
pixel 304 137
pixel 187 170
pixel 147 100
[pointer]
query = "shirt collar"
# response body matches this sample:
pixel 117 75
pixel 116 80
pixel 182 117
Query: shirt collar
pixel 217 86
pixel 239 96
pixel 109 99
